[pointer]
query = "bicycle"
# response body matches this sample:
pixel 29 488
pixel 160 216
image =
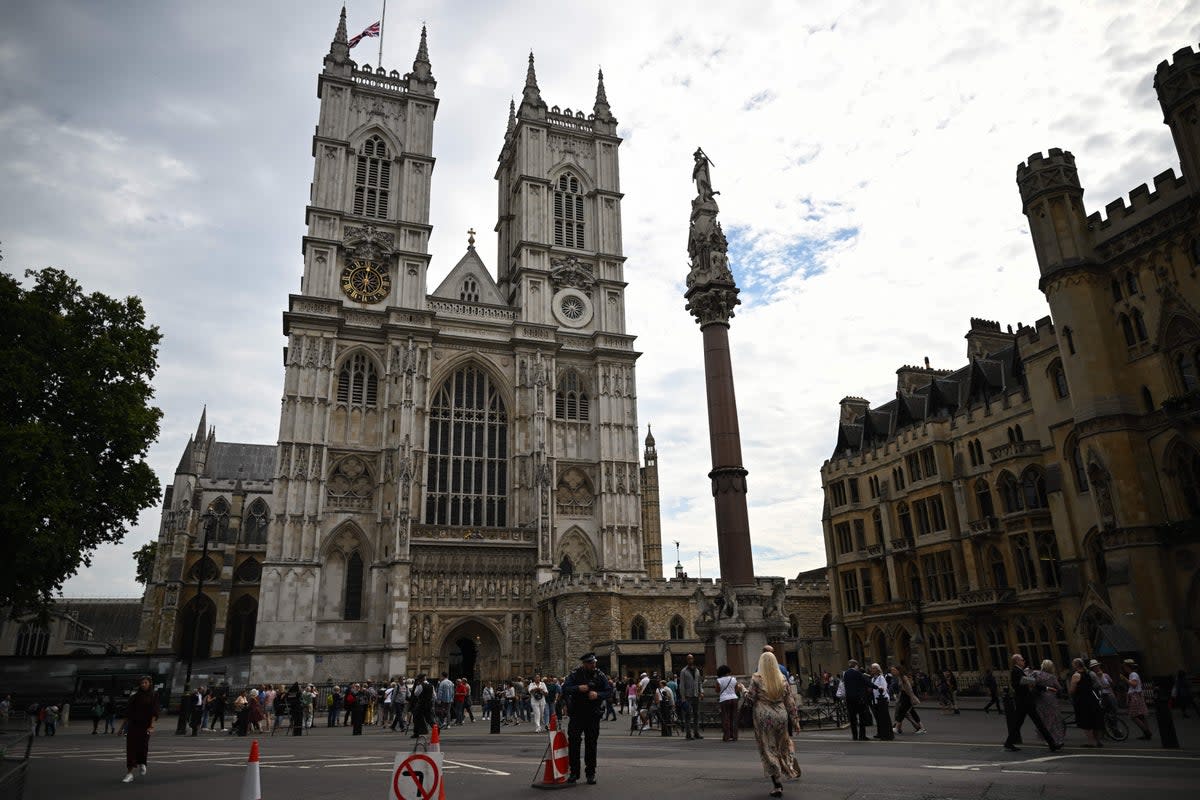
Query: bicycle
pixel 1114 727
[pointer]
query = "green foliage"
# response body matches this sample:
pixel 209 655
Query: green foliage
pixel 75 424
pixel 144 557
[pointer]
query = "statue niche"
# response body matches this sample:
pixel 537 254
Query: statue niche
pixel 351 484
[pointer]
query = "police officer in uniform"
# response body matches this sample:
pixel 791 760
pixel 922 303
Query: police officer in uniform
pixel 585 691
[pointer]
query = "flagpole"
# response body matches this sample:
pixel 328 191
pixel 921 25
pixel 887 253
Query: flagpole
pixel 382 17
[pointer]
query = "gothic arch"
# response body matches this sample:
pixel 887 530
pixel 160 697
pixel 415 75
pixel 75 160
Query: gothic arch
pixel 587 183
pixel 1181 465
pixel 576 545
pixel 574 494
pixel 445 370
pixel 1090 619
pixel 243 619
pixel 447 628
pixel 369 129
pixel 346 538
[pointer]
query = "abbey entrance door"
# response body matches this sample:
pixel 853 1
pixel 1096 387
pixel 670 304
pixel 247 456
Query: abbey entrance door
pixel 472 651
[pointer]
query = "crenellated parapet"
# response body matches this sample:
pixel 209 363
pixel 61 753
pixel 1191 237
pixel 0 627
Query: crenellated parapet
pixel 1052 200
pixel 1053 172
pixel 1118 218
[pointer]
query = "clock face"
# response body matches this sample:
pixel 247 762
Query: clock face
pixel 366 281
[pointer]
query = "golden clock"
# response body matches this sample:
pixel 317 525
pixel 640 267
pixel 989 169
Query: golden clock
pixel 366 281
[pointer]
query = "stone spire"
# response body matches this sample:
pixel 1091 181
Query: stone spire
pixel 601 109
pixel 421 80
pixel 339 48
pixel 649 438
pixel 512 116
pixel 202 428
pixel 532 104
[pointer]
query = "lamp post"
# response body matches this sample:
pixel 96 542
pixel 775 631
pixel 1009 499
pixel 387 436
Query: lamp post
pixel 207 521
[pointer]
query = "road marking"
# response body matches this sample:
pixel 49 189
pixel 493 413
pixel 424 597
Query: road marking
pixel 1044 759
pixel 485 770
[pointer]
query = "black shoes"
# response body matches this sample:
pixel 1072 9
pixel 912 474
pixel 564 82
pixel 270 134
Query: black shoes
pixel 572 779
pixel 591 780
pixel 1012 748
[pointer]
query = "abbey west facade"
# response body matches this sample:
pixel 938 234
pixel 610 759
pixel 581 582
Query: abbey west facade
pixel 1045 497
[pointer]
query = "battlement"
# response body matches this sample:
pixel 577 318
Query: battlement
pixel 978 324
pixel 1143 203
pixel 380 78
pixel 1052 172
pixel 1175 81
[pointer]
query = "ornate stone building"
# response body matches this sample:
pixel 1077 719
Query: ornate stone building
pixel 1045 497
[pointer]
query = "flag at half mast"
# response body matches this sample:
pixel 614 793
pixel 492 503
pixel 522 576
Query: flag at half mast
pixel 369 31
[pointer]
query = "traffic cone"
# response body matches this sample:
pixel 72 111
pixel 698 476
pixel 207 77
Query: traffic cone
pixel 555 774
pixel 251 785
pixel 435 746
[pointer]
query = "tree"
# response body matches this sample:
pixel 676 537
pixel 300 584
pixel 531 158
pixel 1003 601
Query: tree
pixel 75 425
pixel 144 557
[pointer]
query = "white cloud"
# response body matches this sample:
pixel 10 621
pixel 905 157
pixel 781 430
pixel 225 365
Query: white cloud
pixel 896 129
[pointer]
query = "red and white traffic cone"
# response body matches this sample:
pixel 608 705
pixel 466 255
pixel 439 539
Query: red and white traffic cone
pixel 435 746
pixel 251 785
pixel 556 762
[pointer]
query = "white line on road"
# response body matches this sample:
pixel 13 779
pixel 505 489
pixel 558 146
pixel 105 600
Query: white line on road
pixel 1044 759
pixel 485 770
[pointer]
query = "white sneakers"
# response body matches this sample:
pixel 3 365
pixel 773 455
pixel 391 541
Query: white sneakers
pixel 142 767
pixel 128 778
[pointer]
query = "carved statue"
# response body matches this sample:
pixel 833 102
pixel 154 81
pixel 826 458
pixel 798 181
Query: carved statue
pixel 702 176
pixel 729 604
pixel 774 606
pixel 706 609
pixel 427 632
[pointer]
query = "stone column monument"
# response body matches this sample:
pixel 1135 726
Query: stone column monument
pixel 734 624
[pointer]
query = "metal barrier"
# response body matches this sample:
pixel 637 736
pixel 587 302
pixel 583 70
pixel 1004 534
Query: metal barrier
pixel 14 765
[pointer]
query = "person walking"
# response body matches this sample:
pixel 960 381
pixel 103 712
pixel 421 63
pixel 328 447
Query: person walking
pixel 727 700
pixel 335 707
pixel 585 691
pixel 856 690
pixel 444 699
pixel 1047 691
pixel 1084 688
pixel 906 702
pixel 421 699
pixel 110 715
pixel 1023 703
pixel 666 706
pixel 691 689
pixel 537 697
pixel 196 713
pixel 1135 697
pixel 140 716
pixel 357 700
pixel 774 714
pixel 487 695
pixel 993 689
pixel 880 698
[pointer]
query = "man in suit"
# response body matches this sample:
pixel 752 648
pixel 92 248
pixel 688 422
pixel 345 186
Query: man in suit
pixel 858 693
pixel 1023 706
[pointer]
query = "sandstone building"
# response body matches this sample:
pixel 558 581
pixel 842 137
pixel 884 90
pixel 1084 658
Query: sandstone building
pixel 457 470
pixel 1045 497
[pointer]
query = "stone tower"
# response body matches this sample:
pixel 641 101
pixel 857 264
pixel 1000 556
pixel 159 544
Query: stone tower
pixel 651 513
pixel 442 453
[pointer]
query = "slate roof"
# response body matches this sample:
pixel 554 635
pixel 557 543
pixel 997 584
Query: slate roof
pixel 257 461
pixel 113 621
pixel 989 376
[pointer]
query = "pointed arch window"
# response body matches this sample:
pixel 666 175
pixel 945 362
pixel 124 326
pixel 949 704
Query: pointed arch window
pixel 352 600
pixel 32 640
pixel 1033 489
pixel 1049 566
pixel 983 498
pixel 997 569
pixel 1060 382
pixel 249 571
pixel 243 618
pixel 254 524
pixel 677 627
pixel 196 629
pixel 1077 467
pixel 637 630
pixel 358 383
pixel 1010 493
pixel 216 522
pixel 206 568
pixel 467 479
pixel 905 518
pixel 571 399
pixel 566 566
pixel 1023 557
pixel 372 179
pixel 469 293
pixel 568 212
pixel 1131 282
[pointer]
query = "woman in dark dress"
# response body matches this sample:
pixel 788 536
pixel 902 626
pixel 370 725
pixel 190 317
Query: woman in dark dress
pixel 422 703
pixel 1085 701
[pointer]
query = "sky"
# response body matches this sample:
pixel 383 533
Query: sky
pixel 865 153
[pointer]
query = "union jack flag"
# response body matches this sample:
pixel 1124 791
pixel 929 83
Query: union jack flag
pixel 369 31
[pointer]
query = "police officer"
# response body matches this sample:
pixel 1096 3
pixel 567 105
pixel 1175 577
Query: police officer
pixel 585 691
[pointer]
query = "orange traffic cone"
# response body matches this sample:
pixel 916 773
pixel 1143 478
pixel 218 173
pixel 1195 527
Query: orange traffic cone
pixel 555 774
pixel 435 746
pixel 251 785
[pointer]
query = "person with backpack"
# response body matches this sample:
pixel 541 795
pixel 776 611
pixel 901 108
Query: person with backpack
pixel 537 698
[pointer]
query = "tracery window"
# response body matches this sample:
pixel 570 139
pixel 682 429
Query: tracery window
pixel 32 640
pixel 677 627
pixel 637 630
pixel 570 400
pixel 216 521
pixel 568 212
pixel 1010 493
pixel 358 384
pixel 983 498
pixel 254 524
pixel 352 599
pixel 1033 489
pixel 205 567
pixel 249 571
pixel 1048 559
pixel 1023 557
pixel 468 452
pixel 905 518
pixel 350 485
pixel 372 179
pixel 573 497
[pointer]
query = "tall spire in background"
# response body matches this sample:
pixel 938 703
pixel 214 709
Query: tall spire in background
pixel 341 37
pixel 339 48
pixel 421 79
pixel 202 428
pixel 601 109
pixel 512 117
pixel 532 104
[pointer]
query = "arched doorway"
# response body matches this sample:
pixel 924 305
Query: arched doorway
pixel 196 628
pixel 472 651
pixel 879 651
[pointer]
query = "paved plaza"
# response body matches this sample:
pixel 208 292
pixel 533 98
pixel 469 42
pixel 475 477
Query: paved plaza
pixel 961 757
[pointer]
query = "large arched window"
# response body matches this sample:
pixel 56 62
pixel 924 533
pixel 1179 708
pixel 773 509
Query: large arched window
pixel 206 568
pixel 983 498
pixel 568 212
pixel 1033 489
pixel 372 179
pixel 1060 381
pixel 352 600
pixel 32 640
pixel 468 452
pixel 637 629
pixel 196 628
pixel 571 400
pixel 243 617
pixel 1010 493
pixel 216 521
pixel 254 524
pixel 677 627
pixel 358 385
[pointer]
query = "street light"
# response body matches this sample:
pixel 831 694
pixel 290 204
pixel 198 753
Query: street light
pixel 207 522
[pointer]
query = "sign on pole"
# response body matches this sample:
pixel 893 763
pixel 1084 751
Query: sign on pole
pixel 416 776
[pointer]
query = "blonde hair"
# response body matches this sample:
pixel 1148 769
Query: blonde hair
pixel 770 677
pixel 1048 666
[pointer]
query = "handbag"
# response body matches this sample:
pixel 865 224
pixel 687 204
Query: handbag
pixel 745 716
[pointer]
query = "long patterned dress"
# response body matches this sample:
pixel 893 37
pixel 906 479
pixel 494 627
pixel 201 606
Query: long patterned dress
pixel 1049 690
pixel 775 746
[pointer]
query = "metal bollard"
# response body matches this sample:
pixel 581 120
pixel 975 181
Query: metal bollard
pixel 1162 713
pixel 497 705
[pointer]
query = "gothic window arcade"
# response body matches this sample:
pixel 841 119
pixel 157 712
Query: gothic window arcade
pixel 254 523
pixel 358 384
pixel 32 640
pixel 467 481
pixel 571 400
pixel 568 212
pixel 217 521
pixel 637 630
pixel 372 179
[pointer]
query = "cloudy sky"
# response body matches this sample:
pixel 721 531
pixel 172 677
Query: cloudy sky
pixel 865 153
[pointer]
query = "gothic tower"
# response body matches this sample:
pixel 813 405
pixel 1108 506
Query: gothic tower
pixel 651 513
